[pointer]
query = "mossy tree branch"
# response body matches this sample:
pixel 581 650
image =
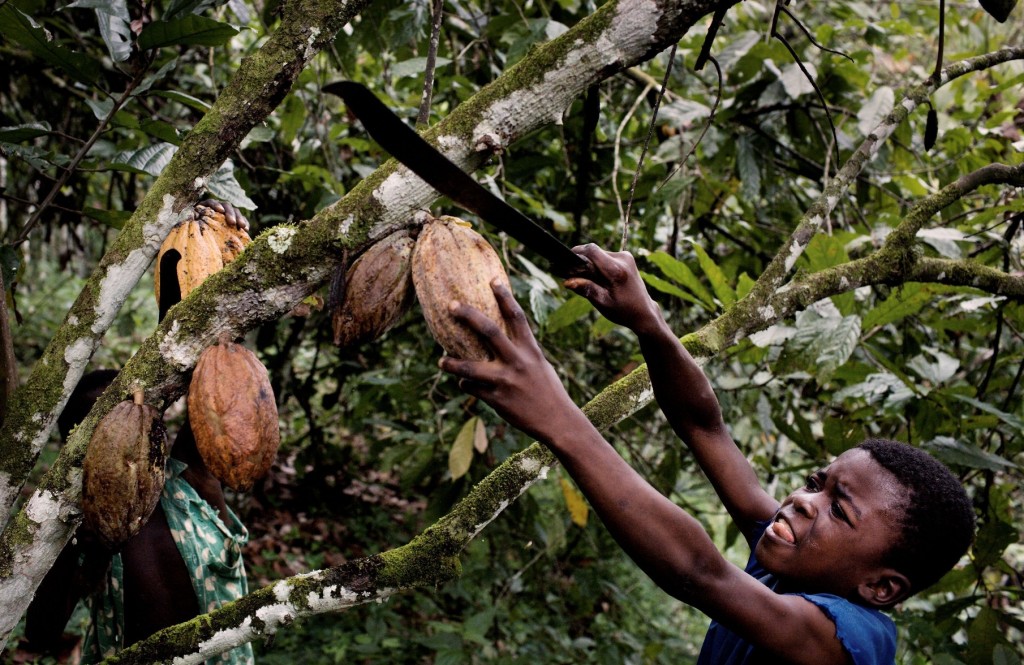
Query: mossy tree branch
pixel 261 82
pixel 289 262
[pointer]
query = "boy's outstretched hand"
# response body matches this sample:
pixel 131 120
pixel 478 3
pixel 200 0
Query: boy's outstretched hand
pixel 615 288
pixel 519 383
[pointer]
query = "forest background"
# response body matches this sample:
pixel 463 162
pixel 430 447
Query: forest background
pixel 831 224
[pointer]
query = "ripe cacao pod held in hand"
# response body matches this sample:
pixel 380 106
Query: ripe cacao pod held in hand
pixel 378 290
pixel 453 262
pixel 123 471
pixel 233 414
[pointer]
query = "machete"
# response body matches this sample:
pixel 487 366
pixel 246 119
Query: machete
pixel 423 159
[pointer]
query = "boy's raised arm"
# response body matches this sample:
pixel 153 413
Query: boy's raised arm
pixel 681 388
pixel 668 544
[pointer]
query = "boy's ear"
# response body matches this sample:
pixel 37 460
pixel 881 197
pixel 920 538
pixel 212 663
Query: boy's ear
pixel 885 589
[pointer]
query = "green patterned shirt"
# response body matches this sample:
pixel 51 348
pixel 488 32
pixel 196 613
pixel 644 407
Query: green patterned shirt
pixel 212 552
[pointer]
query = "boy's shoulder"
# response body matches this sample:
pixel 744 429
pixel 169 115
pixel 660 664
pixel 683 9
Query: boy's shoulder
pixel 867 634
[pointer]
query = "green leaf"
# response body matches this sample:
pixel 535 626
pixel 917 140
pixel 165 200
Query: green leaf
pixel 901 303
pixel 1010 419
pixel 180 8
pixel 224 186
pixel 115 25
pixel 719 283
pixel 748 170
pixel 680 273
pixel 112 218
pixel 187 100
pixel 19 28
pixel 190 30
pixel 18 133
pixel 150 160
pixel 664 286
pixel 416 67
pixel 875 109
pixel 954 452
pixel 568 313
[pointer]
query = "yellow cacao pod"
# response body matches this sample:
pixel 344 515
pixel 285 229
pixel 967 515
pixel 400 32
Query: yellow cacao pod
pixel 233 414
pixel 123 471
pixel 232 237
pixel 378 290
pixel 205 244
pixel 453 262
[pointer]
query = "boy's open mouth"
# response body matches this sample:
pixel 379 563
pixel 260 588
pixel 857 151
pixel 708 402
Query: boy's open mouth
pixel 782 529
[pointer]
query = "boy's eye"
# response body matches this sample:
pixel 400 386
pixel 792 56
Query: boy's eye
pixel 812 484
pixel 838 511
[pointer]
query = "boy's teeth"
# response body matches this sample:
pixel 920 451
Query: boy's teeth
pixel 783 531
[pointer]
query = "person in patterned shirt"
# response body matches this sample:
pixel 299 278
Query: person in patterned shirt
pixel 185 561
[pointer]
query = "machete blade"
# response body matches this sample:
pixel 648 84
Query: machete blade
pixel 403 143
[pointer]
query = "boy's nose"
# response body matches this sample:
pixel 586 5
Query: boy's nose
pixel 803 503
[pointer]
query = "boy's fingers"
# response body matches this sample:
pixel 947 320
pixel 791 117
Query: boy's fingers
pixel 511 311
pixel 488 330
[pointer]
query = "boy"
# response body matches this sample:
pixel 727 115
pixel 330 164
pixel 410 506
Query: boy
pixel 881 522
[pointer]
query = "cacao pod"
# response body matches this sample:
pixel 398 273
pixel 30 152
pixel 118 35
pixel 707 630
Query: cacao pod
pixel 233 414
pixel 378 290
pixel 123 471
pixel 453 262
pixel 232 236
pixel 205 244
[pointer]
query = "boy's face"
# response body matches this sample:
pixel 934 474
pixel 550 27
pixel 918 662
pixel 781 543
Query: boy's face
pixel 830 535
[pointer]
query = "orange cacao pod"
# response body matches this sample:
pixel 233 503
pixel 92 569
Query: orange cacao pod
pixel 453 262
pixel 232 237
pixel 233 414
pixel 205 244
pixel 123 471
pixel 378 290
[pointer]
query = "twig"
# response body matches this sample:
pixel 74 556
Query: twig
pixel 616 159
pixel 647 141
pixel 82 152
pixel 428 76
pixel 707 125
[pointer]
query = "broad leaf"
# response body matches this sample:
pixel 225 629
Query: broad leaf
pixel 224 186
pixel 188 31
pixel 875 109
pixel 461 454
pixel 681 274
pixel 19 28
pixel 568 313
pixel 150 160
pixel 952 451
pixel 115 25
pixel 18 133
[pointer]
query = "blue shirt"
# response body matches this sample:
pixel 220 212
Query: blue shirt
pixel 865 633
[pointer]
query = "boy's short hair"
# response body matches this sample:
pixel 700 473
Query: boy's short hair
pixel 938 519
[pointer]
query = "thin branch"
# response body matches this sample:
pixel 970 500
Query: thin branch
pixel 643 152
pixel 79 156
pixel 423 118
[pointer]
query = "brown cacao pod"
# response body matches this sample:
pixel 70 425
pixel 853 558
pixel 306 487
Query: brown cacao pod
pixel 453 262
pixel 123 471
pixel 378 290
pixel 233 414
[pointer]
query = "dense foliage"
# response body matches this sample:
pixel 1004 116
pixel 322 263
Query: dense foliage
pixel 95 96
